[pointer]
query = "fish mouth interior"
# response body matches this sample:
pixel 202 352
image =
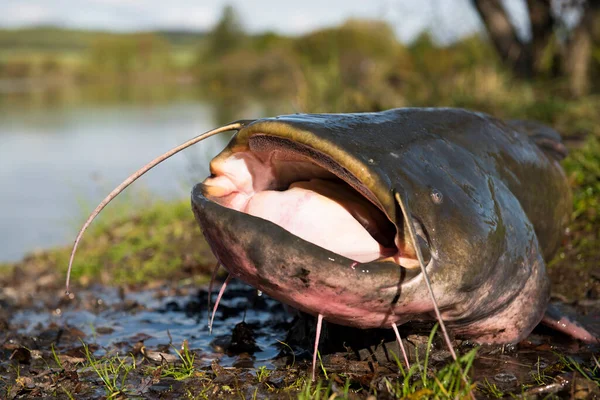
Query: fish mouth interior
pixel 307 193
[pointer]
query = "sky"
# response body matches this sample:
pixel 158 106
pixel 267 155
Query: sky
pixel 447 19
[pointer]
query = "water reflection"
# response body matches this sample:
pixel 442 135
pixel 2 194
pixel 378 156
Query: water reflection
pixel 62 151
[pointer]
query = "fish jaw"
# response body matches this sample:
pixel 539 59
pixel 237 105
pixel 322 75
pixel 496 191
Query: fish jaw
pixel 302 226
pixel 363 295
pixel 297 272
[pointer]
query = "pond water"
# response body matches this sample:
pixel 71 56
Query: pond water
pixel 58 159
pixel 116 320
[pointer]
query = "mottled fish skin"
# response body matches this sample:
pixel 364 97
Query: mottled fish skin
pixel 492 203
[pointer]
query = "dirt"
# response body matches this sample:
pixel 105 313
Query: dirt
pixel 132 342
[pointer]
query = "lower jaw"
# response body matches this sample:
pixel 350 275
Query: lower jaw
pixel 297 272
pixel 323 212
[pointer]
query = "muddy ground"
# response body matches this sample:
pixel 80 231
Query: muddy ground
pixel 152 341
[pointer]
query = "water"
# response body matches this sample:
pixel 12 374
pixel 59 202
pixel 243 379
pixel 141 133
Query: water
pixel 115 322
pixel 58 161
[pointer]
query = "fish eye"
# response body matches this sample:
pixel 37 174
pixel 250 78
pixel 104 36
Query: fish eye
pixel 436 196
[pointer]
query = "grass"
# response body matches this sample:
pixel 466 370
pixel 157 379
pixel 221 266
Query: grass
pixel 539 375
pixel 447 382
pixel 112 371
pixel 570 269
pixel 490 389
pixel 55 357
pixel 315 391
pixel 591 374
pixel 128 247
pixel 125 376
pixel 583 167
pixel 262 374
pixel 321 365
pixel 420 381
pixel 185 368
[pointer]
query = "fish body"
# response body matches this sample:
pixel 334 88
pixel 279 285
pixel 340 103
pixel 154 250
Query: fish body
pixel 303 208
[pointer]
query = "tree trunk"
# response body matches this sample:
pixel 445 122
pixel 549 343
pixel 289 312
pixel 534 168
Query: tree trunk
pixel 542 30
pixel 502 34
pixel 578 53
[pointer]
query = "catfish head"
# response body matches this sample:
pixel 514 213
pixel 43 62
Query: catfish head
pixel 348 216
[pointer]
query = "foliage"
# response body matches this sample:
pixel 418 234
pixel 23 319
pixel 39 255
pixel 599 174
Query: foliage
pixel 183 369
pixel 227 35
pixel 112 371
pixel 352 40
pixel 52 53
pixel 46 38
pixel 420 381
pixel 450 381
pixel 583 167
pixel 580 253
pixel 122 56
pixel 359 65
pixel 124 246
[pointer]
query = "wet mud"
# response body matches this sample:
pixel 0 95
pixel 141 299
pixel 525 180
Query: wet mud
pixel 154 342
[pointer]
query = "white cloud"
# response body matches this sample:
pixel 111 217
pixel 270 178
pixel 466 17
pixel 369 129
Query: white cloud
pixel 118 3
pixel 408 17
pixel 27 13
pixel 195 17
pixel 300 23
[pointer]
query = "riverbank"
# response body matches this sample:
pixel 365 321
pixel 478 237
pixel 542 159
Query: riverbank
pixel 135 324
pixel 163 241
pixel 140 279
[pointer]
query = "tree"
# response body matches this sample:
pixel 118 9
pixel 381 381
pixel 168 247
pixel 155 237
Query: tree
pixel 548 25
pixel 227 34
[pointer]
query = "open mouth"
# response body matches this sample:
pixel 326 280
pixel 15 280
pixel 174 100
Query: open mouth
pixel 308 194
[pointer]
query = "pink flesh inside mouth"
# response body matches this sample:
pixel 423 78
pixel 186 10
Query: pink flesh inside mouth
pixel 298 189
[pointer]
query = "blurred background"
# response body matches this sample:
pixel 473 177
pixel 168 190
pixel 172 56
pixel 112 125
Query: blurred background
pixel 90 90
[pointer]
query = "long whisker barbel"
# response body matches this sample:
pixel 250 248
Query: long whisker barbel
pixel 413 236
pixel 133 177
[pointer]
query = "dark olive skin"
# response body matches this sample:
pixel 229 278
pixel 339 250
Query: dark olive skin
pixel 490 196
